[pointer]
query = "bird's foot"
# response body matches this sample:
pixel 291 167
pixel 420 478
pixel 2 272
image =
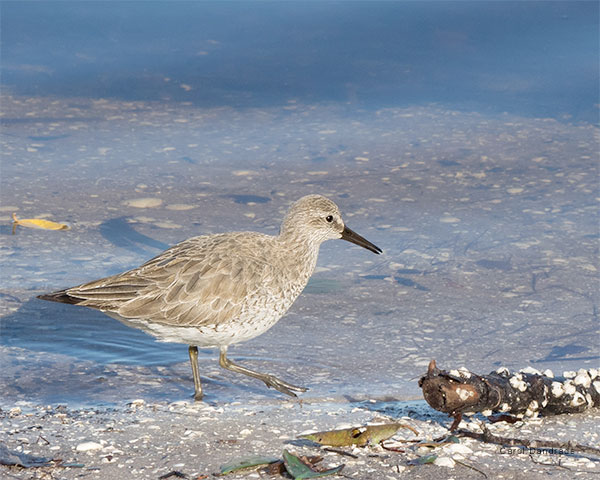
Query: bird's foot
pixel 281 386
pixel 198 396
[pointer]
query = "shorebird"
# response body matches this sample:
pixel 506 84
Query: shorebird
pixel 222 289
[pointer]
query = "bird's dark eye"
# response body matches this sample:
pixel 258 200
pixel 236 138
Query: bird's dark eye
pixel 329 218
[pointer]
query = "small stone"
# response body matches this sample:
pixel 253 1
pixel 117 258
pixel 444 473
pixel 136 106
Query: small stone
pixel 457 448
pixel 88 446
pixel 444 462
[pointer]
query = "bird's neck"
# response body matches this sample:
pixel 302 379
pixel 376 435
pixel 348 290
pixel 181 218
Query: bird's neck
pixel 300 254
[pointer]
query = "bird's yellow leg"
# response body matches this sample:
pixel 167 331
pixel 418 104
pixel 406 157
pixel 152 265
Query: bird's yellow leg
pixel 270 380
pixel 193 351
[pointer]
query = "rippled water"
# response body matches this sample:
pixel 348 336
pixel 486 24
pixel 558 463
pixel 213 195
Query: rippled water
pixel 488 220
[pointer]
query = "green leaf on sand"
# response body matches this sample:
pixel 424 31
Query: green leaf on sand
pixel 300 470
pixel 423 460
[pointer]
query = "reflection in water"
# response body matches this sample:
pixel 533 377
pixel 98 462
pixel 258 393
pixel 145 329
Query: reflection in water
pixel 245 199
pixel 84 334
pixel 120 233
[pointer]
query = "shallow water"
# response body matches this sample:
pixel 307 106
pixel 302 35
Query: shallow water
pixel 488 220
pixel 531 58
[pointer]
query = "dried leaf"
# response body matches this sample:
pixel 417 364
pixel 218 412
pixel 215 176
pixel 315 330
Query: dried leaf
pixel 300 470
pixel 360 436
pixel 247 462
pixel 38 223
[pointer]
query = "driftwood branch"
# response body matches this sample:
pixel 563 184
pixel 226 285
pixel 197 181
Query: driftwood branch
pixel 527 393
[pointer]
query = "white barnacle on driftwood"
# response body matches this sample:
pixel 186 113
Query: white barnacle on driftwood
pixel 530 370
pixel 545 400
pixel 569 387
pixel 583 378
pixel 557 389
pixel 516 381
pixel 463 394
pixel 578 399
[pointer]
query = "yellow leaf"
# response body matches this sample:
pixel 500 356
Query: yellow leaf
pixel 38 223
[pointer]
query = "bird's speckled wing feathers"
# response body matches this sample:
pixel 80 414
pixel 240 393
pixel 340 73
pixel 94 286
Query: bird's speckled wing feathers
pixel 201 281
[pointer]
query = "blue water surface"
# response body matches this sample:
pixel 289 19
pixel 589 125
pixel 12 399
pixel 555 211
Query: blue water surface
pixel 530 58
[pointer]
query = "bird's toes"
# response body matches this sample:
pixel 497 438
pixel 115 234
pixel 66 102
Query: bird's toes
pixel 283 387
pixel 198 397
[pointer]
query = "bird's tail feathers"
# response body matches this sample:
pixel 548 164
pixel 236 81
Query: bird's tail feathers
pixel 61 297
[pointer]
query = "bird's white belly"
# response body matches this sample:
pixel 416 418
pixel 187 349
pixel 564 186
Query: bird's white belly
pixel 223 334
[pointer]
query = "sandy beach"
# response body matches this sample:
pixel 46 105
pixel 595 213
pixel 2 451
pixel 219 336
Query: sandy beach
pixel 144 440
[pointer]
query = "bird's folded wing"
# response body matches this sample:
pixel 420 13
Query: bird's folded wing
pixel 181 291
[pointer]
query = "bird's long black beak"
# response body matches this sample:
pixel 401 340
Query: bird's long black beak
pixel 354 237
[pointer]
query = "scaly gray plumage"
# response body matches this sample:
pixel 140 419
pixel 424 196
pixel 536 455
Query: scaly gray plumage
pixel 217 290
